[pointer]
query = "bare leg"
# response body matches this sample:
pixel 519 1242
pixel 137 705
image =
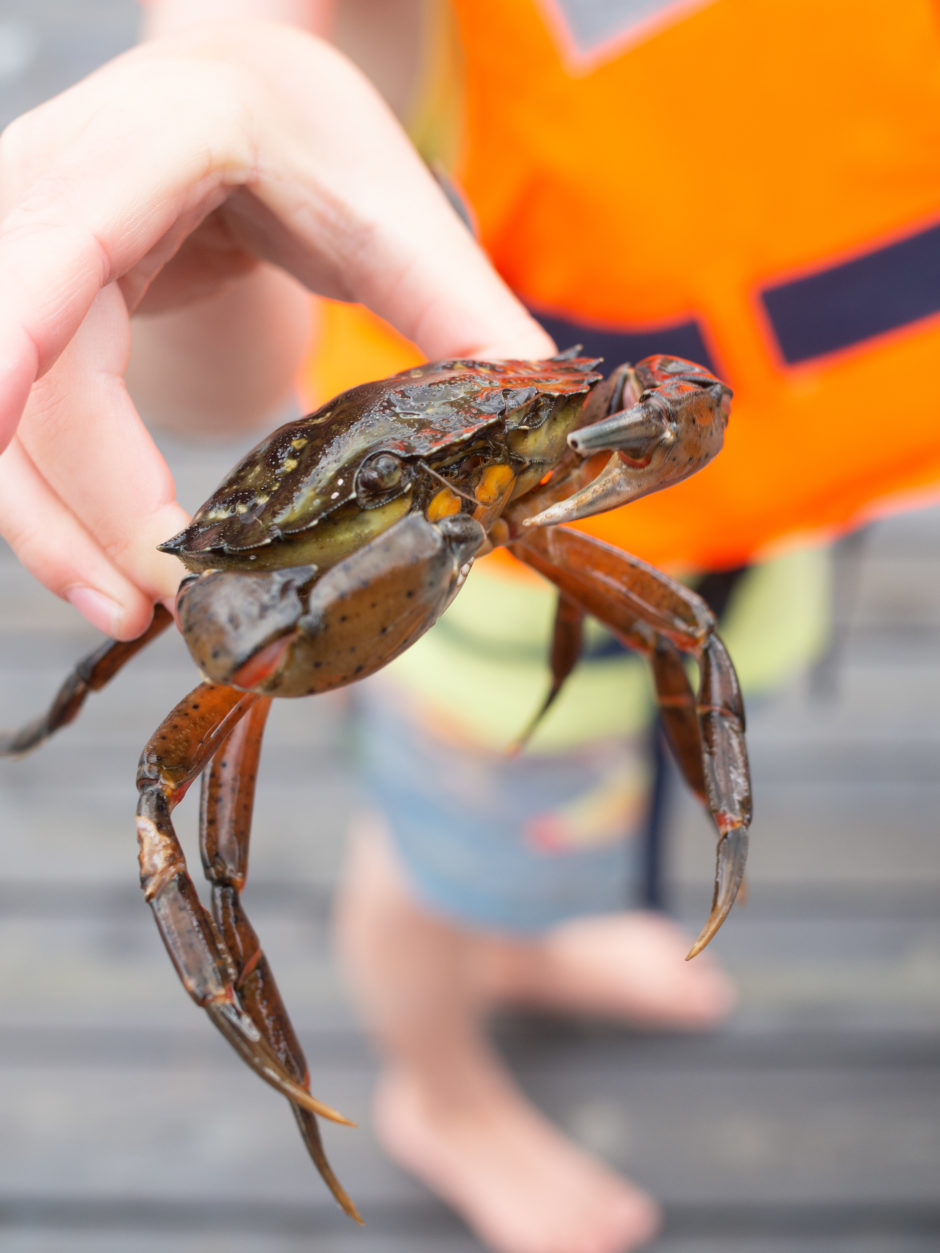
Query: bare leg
pixel 446 1108
pixel 627 967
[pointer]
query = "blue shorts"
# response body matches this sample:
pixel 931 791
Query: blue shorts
pixel 521 843
pixel 513 844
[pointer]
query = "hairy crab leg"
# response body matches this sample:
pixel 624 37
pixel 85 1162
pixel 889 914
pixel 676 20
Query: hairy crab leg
pixel 228 789
pixel 89 675
pixel 622 592
pixel 178 752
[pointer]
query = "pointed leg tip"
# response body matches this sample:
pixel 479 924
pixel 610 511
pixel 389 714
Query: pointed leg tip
pixel 715 921
pixel 244 1036
pixel 341 1196
pixel 310 1132
pixel 732 855
pixel 705 937
pixel 326 1111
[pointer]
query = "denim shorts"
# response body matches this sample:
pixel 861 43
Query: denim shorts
pixel 520 843
pixel 513 844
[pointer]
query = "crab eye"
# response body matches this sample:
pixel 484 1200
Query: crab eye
pixel 381 476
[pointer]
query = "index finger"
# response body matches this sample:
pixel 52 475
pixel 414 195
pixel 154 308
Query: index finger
pixel 129 187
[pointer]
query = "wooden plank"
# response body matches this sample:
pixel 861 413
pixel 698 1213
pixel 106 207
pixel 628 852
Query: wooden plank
pixel 106 969
pixel 823 833
pixel 421 1229
pixel 817 846
pixel 897 588
pixel 902 532
pixel 214 1235
pixel 875 704
pixel 766 1241
pixel 817 840
pixel 796 1138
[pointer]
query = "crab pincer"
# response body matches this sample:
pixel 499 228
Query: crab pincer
pixel 296 632
pixel 665 420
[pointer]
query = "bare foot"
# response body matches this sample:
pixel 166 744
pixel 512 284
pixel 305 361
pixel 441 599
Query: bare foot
pixel 521 1187
pixel 626 967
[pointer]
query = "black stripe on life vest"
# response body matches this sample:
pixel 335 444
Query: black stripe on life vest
pixel 849 303
pixel 680 339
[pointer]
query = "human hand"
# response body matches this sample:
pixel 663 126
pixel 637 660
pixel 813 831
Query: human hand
pixel 175 168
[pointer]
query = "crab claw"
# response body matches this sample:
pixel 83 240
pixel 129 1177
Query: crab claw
pixel 245 1038
pixel 675 428
pixel 729 875
pixel 288 633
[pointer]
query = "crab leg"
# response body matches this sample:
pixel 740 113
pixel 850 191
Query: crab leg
pixel 678 714
pixel 627 596
pixel 567 634
pixel 89 675
pixel 175 755
pixel 228 788
pixel 674 694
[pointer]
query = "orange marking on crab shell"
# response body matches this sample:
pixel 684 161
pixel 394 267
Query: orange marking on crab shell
pixel 443 505
pixel 263 664
pixel 493 483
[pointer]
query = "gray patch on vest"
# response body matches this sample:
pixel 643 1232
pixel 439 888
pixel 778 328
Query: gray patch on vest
pixel 593 22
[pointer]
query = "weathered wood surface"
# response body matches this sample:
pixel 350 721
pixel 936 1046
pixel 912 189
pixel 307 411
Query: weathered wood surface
pixel 810 1122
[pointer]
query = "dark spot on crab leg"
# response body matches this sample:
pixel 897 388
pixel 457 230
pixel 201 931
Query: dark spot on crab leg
pixel 228 788
pixel 89 675
pixel 175 755
pixel 634 601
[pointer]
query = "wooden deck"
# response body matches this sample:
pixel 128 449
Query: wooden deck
pixel 811 1123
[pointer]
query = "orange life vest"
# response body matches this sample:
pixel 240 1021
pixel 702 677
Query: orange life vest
pixel 752 182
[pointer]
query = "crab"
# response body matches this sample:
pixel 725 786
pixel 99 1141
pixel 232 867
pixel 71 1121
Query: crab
pixel 335 544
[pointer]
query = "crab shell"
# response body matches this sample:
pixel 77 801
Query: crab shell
pixel 452 436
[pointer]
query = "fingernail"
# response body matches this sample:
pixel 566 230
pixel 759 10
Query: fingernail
pixel 100 610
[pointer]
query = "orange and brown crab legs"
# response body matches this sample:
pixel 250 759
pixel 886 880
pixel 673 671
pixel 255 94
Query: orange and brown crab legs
pixel 228 790
pixel 176 754
pixel 645 607
pixel 675 697
pixel 89 675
